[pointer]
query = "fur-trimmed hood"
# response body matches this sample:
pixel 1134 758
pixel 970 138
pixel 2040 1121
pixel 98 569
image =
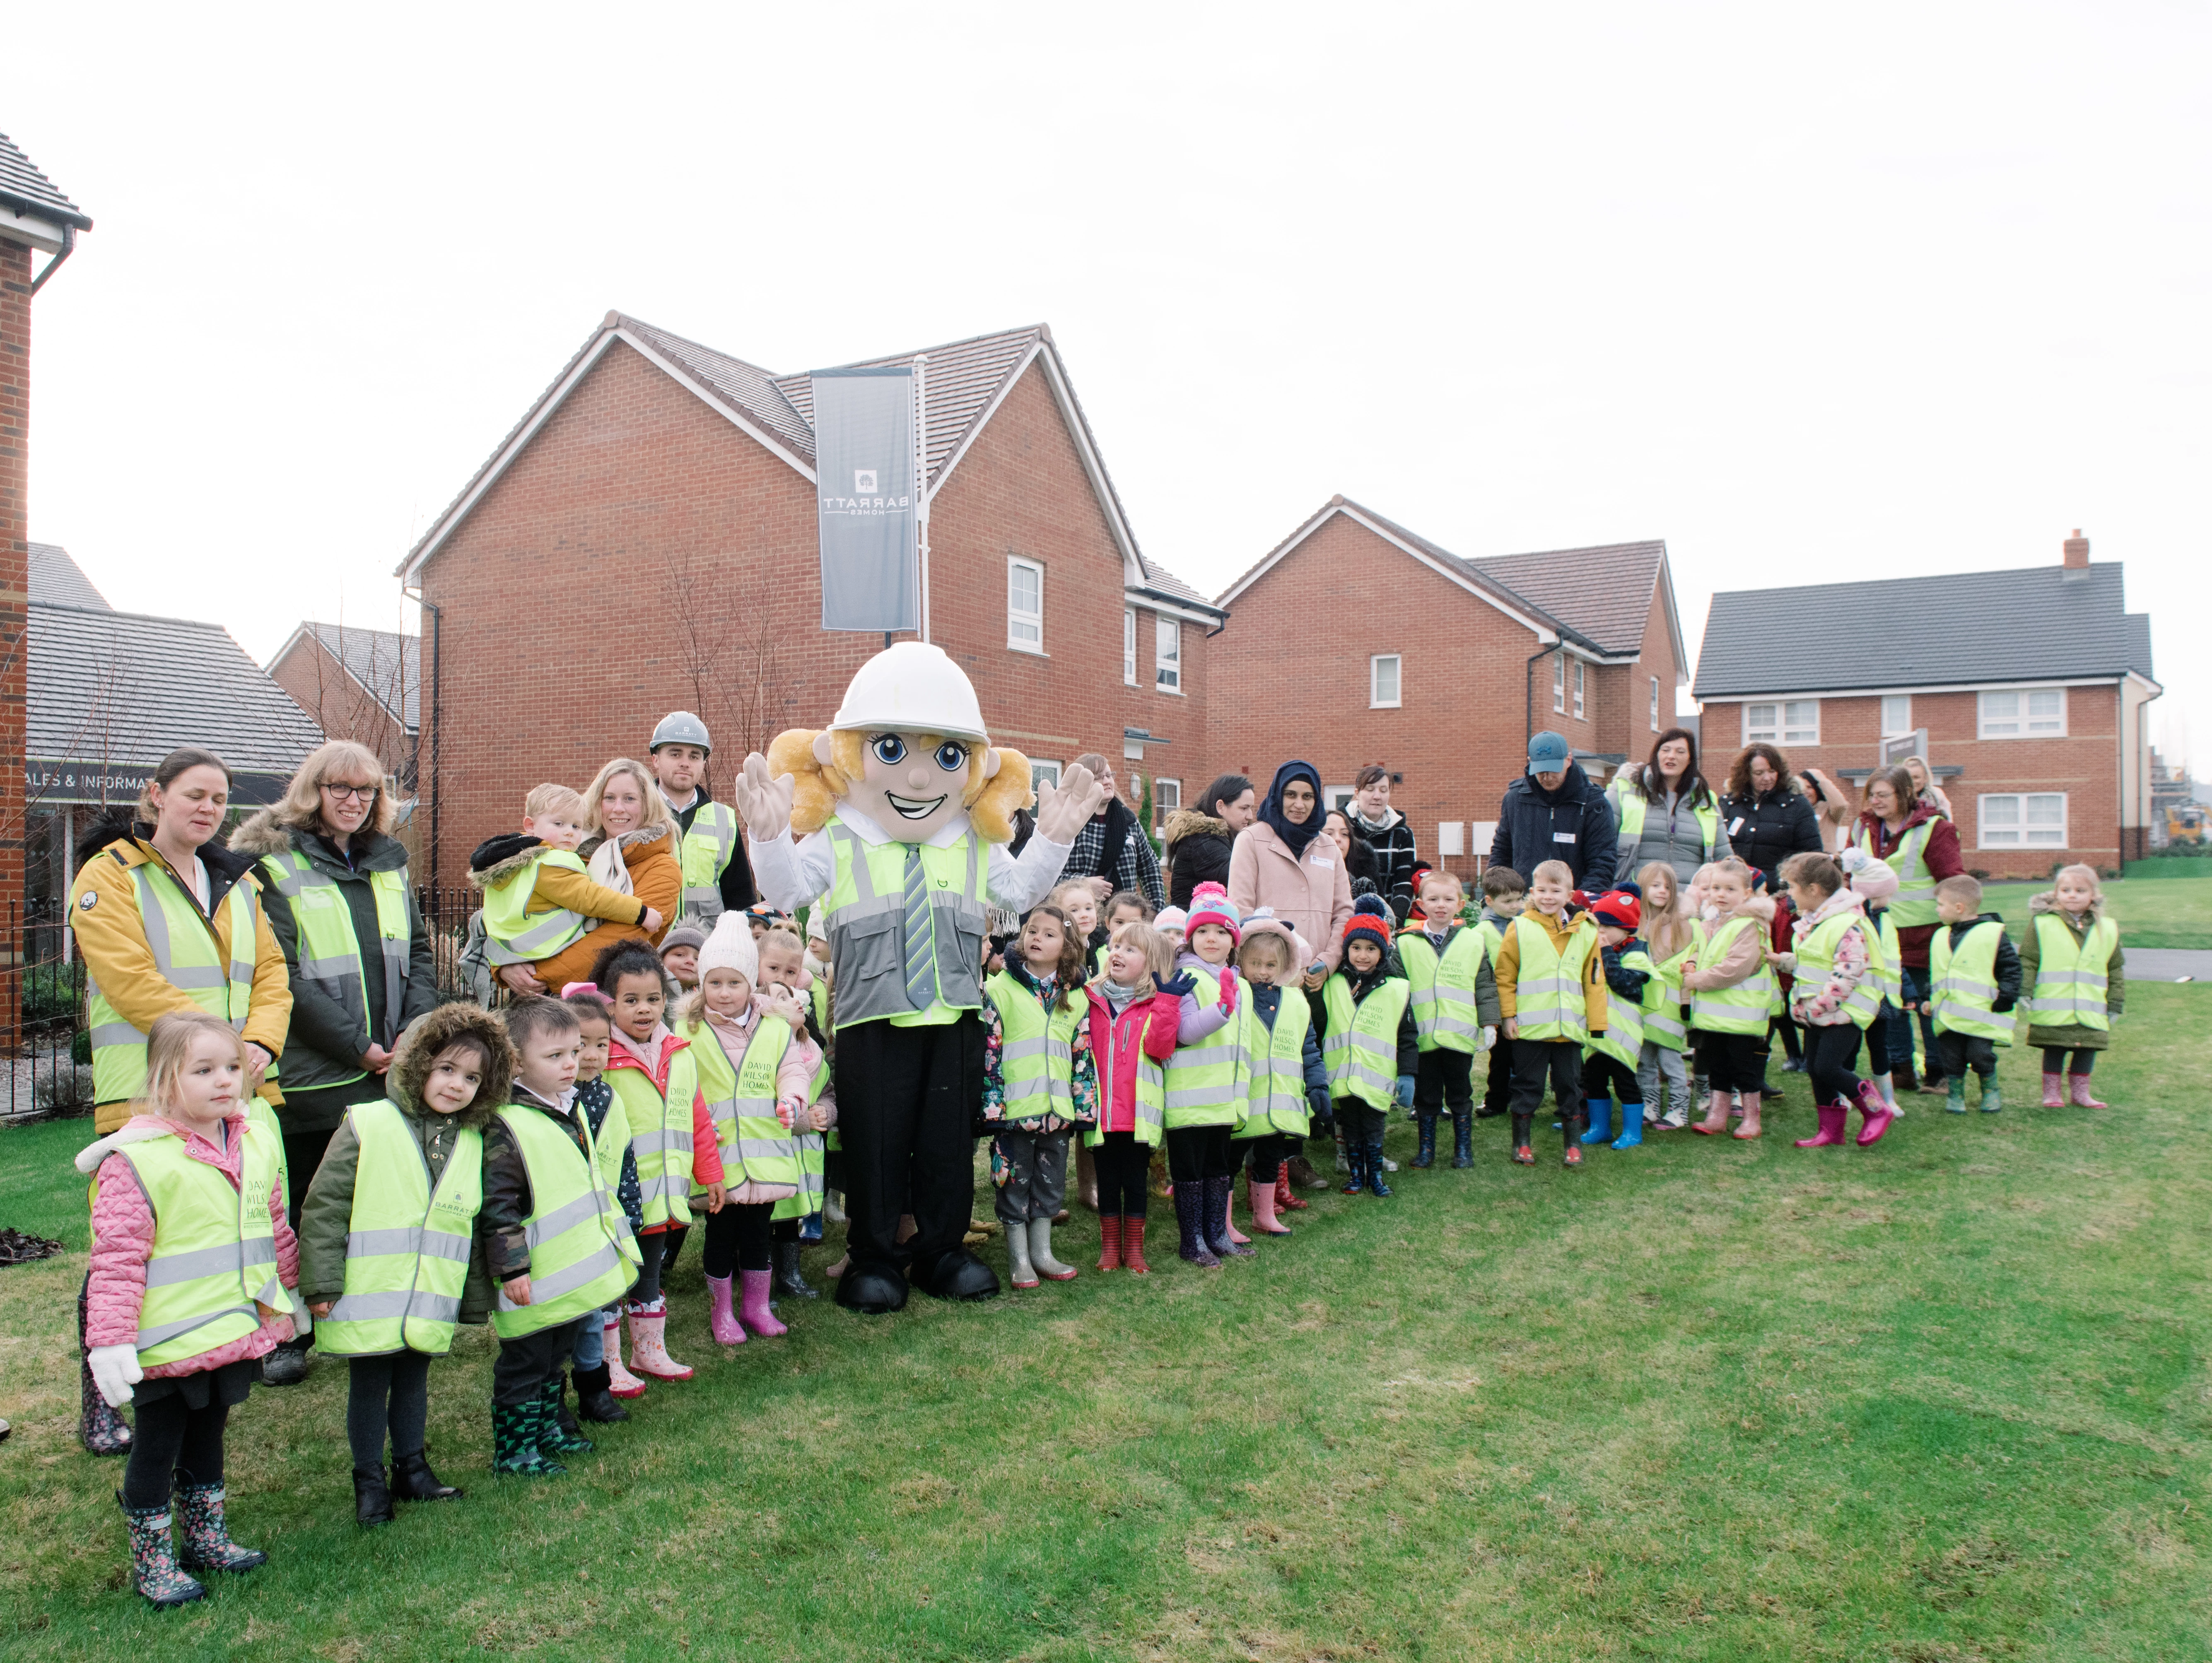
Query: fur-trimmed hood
pixel 643 837
pixel 263 832
pixel 121 824
pixel 1189 822
pixel 2038 905
pixel 498 859
pixel 429 1035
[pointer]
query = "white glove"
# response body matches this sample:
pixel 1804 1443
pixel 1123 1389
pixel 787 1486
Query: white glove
pixel 1489 1035
pixel 303 1320
pixel 1856 860
pixel 115 1371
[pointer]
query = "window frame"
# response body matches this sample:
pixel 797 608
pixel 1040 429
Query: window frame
pixel 1655 704
pixel 1890 730
pixel 1022 563
pixel 2020 825
pixel 1559 682
pixel 1375 662
pixel 2022 721
pixel 1779 733
pixel 1042 772
pixel 1129 646
pixel 1165 628
pixel 1162 810
pixel 1581 690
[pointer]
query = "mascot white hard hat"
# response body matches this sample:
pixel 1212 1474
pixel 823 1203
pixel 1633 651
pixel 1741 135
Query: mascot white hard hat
pixel 915 688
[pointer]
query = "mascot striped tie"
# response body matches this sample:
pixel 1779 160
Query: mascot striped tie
pixel 920 936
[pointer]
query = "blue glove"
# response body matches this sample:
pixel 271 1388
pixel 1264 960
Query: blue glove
pixel 1404 1091
pixel 1178 984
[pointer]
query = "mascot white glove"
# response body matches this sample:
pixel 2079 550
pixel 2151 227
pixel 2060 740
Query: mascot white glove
pixel 115 1371
pixel 1062 811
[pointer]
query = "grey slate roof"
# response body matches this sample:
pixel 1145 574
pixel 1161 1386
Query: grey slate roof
pixel 1605 591
pixel 2038 623
pixel 964 377
pixel 24 188
pixel 388 665
pixel 57 580
pixel 123 688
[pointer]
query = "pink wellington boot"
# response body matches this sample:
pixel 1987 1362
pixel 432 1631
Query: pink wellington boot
pixel 1835 1117
pixel 2081 1097
pixel 1264 1203
pixel 2054 1091
pixel 1874 1114
pixel 1229 1217
pixel 757 1316
pixel 722 1321
pixel 621 1383
pixel 648 1343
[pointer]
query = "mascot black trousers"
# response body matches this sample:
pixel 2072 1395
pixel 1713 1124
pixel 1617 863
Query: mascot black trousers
pixel 906 1110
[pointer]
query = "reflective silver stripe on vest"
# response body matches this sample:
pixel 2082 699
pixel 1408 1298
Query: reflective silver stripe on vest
pixel 149 1338
pixel 401 1302
pixel 158 943
pixel 545 1290
pixel 765 1149
pixel 1654 1023
pixel 168 1269
pixel 660 1140
pixel 363 1244
pixel 549 1225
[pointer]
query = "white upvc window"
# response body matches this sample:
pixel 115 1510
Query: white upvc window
pixel 1383 680
pixel 2023 820
pixel 1896 715
pixel 1786 722
pixel 1167 655
pixel 1655 704
pixel 1167 798
pixel 1129 646
pixel 1024 604
pixel 1559 682
pixel 1043 774
pixel 2024 713
pixel 1579 668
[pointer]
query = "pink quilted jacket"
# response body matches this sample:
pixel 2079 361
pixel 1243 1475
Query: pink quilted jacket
pixel 123 1241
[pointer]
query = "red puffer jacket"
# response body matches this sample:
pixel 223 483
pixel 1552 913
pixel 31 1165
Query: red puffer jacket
pixel 1146 1026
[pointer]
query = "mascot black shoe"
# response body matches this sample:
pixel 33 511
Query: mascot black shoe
pixel 892 825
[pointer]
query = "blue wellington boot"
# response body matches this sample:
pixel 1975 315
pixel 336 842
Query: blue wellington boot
pixel 1632 1127
pixel 1600 1121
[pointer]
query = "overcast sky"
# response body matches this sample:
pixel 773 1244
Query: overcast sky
pixel 1812 294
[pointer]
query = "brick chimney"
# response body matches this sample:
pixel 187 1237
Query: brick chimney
pixel 2077 552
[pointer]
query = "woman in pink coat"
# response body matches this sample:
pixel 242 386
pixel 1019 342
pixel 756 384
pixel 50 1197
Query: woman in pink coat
pixel 1280 861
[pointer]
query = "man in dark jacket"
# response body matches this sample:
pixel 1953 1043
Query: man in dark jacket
pixel 1556 812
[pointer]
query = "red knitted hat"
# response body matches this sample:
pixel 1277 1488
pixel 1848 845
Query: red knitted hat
pixel 1618 908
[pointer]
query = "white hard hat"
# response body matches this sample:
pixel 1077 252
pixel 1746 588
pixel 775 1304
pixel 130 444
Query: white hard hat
pixel 680 727
pixel 915 686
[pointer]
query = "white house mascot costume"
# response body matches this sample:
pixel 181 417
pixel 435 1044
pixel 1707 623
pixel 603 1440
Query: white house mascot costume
pixel 890 822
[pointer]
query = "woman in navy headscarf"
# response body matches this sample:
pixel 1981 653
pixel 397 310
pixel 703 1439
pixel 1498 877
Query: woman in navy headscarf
pixel 1282 861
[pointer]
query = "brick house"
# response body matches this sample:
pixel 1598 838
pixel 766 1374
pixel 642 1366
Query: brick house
pixel 362 684
pixel 644 538
pixel 1355 640
pixel 35 219
pixel 2025 690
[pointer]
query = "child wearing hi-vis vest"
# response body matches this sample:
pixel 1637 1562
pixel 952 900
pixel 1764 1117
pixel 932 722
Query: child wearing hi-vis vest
pixel 1611 1056
pixel 1504 895
pixel 1730 987
pixel 191 1259
pixel 1038 1083
pixel 1369 1042
pixel 554 1239
pixel 1455 1012
pixel 1132 1020
pixel 1974 981
pixel 1670 936
pixel 655 1078
pixel 2077 977
pixel 600 1375
pixel 1837 959
pixel 756 1070
pixel 540 904
pixel 1272 959
pixel 1551 991
pixel 783 964
pixel 389 1261
pixel 1205 1088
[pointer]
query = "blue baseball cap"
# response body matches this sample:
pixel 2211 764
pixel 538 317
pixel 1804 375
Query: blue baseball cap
pixel 1549 753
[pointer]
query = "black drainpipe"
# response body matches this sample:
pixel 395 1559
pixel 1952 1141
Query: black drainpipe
pixel 67 248
pixel 437 736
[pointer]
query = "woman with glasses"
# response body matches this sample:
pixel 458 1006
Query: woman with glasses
pixel 335 883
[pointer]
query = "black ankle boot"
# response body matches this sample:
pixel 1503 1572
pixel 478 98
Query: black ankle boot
pixel 789 1280
pixel 372 1497
pixel 594 1401
pixel 1427 1157
pixel 412 1480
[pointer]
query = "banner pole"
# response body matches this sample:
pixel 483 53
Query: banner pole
pixel 921 481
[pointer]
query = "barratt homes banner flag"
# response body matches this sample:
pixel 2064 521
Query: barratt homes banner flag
pixel 864 497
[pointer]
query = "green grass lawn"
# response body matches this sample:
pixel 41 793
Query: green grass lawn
pixel 1942 1399
pixel 2160 903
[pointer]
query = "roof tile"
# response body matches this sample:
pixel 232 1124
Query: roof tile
pixel 1603 592
pixel 23 186
pixel 58 580
pixel 388 665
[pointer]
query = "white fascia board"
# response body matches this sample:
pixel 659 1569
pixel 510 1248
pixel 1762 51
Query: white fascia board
pixel 411 573
pixel 1094 466
pixel 1879 692
pixel 2157 688
pixel 299 633
pixel 1135 595
pixel 43 234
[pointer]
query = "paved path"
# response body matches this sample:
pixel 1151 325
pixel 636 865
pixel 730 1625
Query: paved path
pixel 2168 964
